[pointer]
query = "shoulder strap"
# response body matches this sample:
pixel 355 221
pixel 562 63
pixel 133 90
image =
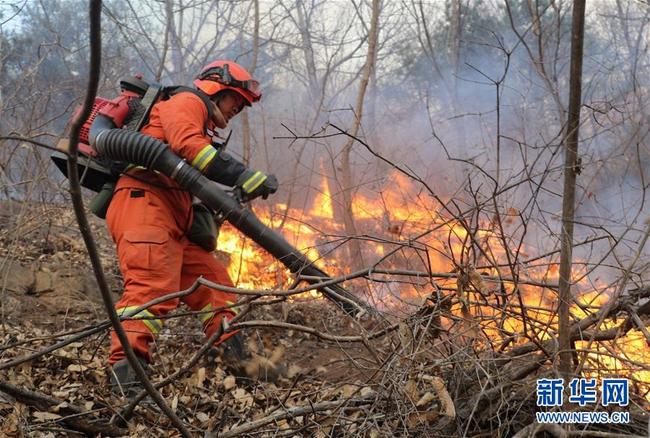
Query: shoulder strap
pixel 150 97
pixel 170 91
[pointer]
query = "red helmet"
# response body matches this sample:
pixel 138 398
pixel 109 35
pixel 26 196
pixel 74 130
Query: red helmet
pixel 228 75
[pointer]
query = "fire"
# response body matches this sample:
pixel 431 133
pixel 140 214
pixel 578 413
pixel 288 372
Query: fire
pixel 322 207
pixel 402 215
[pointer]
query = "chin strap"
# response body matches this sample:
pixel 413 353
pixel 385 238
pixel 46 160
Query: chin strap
pixel 217 116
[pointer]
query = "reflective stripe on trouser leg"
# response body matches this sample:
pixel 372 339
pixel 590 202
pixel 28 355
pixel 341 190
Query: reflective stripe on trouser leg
pixel 148 319
pixel 213 320
pixel 207 314
pixel 234 310
pixel 212 304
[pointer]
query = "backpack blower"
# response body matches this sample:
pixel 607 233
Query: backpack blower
pixel 110 141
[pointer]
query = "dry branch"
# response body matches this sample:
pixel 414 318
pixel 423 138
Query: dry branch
pixel 313 331
pixel 71 414
pixel 292 413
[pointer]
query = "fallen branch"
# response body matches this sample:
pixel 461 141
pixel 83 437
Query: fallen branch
pixel 17 361
pixel 297 411
pixel 313 331
pixel 45 402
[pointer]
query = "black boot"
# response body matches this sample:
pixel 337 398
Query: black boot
pixel 232 353
pixel 124 381
pixel 235 349
pixel 244 364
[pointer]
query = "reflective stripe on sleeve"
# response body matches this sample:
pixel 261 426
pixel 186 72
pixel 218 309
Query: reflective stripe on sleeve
pixel 154 324
pixel 204 157
pixel 254 182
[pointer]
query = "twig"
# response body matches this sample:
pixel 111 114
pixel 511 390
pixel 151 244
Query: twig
pixel 34 142
pixel 532 429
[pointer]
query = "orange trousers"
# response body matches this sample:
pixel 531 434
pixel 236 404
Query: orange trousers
pixel 148 224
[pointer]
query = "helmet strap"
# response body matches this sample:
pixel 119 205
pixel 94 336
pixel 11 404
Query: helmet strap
pixel 217 117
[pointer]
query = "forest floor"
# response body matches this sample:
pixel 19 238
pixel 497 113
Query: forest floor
pixel 391 385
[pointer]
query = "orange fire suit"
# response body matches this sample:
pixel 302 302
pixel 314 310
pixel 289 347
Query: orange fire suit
pixel 148 219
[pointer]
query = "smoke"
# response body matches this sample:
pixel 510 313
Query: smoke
pixel 495 134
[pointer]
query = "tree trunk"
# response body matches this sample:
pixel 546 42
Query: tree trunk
pixel 453 41
pixel 176 32
pixel 347 183
pixel 246 133
pixel 308 52
pixel 169 12
pixel 571 170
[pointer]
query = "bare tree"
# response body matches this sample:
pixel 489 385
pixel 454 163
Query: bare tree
pixel 246 134
pixel 347 184
pixel 571 170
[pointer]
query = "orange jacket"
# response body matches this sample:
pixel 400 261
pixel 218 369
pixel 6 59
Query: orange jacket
pixel 181 122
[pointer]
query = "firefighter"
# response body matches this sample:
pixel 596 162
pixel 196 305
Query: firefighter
pixel 150 216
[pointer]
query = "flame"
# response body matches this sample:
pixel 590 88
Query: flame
pixel 322 207
pixel 408 219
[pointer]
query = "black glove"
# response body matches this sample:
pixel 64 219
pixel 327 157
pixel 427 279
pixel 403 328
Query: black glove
pixel 249 184
pixel 253 184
